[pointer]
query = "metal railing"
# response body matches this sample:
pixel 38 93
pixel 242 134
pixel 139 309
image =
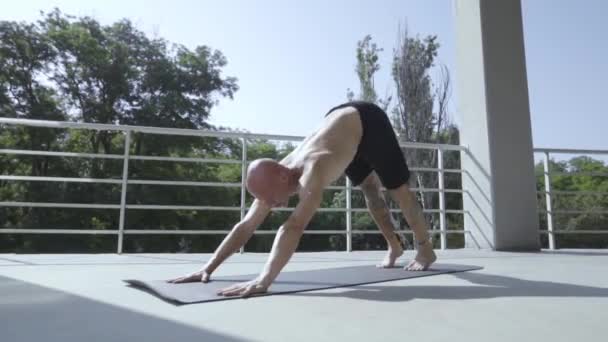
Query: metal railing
pixel 551 194
pixel 125 181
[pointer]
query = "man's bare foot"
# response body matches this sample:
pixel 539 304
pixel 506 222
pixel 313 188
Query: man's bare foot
pixel 424 258
pixel 392 255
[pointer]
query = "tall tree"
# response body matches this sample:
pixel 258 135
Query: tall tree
pixel 421 110
pixel 367 55
pixel 68 68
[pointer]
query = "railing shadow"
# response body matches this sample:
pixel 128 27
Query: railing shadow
pixel 35 313
pixel 494 286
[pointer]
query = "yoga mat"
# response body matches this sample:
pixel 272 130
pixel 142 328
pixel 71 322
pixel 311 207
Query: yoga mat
pixel 289 282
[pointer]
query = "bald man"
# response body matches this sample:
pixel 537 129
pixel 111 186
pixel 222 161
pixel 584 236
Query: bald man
pixel 357 139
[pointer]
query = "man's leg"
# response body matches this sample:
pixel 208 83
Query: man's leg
pixel 374 198
pixel 415 218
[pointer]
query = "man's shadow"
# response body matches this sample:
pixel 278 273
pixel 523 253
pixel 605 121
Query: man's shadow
pixel 494 286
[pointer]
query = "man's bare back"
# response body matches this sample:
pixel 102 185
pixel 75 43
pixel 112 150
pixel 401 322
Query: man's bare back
pixel 328 151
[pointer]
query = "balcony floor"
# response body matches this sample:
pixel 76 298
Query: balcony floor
pixel 557 296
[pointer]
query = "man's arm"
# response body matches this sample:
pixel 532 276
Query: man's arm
pixel 240 234
pixel 285 242
pixel 288 236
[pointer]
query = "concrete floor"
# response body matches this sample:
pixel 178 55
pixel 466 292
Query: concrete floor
pixel 556 296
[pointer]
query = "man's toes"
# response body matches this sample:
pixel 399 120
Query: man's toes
pixel 415 266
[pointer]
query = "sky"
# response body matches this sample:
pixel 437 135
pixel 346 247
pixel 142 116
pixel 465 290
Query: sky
pixel 295 60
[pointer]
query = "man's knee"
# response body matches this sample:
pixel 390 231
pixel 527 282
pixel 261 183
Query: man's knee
pixel 373 193
pixel 371 184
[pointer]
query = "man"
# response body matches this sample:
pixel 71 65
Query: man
pixel 357 139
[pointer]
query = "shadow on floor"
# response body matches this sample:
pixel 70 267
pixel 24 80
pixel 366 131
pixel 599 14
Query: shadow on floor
pixel 598 252
pixel 494 286
pixel 35 313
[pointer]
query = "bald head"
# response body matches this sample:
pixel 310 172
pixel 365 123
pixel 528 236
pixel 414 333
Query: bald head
pixel 269 181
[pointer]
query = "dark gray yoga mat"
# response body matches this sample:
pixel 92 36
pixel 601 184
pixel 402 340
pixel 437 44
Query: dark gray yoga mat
pixel 289 282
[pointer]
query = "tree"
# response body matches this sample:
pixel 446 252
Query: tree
pixel 68 68
pixel 367 54
pixel 115 74
pixel 421 110
pixel 420 113
pixel 568 180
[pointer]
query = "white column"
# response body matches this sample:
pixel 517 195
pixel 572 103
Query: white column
pixel 499 183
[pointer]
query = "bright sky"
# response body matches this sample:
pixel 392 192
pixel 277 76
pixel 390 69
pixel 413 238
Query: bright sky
pixel 295 60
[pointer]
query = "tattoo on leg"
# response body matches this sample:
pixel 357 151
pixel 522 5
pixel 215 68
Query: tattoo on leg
pixel 374 200
pixel 379 209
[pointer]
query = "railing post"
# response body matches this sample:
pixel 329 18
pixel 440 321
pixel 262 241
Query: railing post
pixel 442 220
pixel 548 201
pixel 243 185
pixel 349 216
pixel 123 192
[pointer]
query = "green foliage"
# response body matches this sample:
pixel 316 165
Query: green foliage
pixel 568 177
pixel 74 68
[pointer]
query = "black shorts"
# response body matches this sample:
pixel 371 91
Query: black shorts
pixel 378 150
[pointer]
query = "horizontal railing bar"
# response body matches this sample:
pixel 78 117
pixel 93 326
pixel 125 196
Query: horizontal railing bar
pixel 185 159
pixel 212 232
pixel 363 210
pixel 175 159
pixel 572 192
pixel 57 231
pixel 62 154
pixel 421 189
pixel 429 146
pixel 432 169
pixel 61 179
pixel 259 232
pixel 455 191
pixel 435 211
pixel 183 183
pixel 578 173
pixel 574 211
pixel 358 188
pixel 322 210
pixel 175 232
pixel 161 158
pixel 59 205
pixel 434 231
pixel 313 232
pixel 189 132
pixel 189 207
pixel 180 207
pixel 202 232
pixel 569 151
pixel 144 129
pixel 581 231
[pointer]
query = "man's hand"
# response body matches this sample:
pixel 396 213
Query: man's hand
pixel 244 289
pixel 202 276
